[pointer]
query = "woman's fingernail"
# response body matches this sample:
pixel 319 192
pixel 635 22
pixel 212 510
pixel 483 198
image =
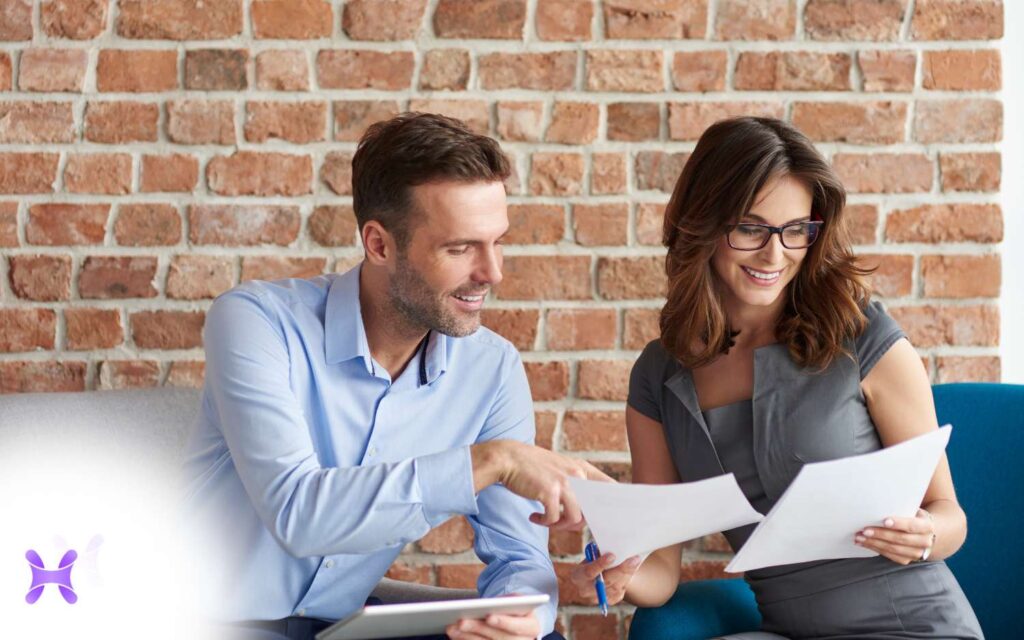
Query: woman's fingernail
pixel 889 522
pixel 868 533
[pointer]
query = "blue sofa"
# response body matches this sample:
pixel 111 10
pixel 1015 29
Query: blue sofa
pixel 985 453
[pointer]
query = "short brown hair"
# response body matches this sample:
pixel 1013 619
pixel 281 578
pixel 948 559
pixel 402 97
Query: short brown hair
pixel 733 160
pixel 413 149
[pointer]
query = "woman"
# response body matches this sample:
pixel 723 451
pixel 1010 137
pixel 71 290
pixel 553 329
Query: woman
pixel 773 355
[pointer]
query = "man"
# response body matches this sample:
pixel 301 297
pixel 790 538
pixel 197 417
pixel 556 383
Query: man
pixel 346 415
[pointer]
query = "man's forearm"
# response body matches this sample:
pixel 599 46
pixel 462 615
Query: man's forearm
pixel 488 463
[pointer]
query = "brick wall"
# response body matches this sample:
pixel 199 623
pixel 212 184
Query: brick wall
pixel 154 153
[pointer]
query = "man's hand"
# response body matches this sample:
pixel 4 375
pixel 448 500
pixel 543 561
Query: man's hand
pixel 537 474
pixel 496 627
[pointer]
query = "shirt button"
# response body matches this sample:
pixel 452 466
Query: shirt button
pixel 302 612
pixel 329 564
pixel 372 452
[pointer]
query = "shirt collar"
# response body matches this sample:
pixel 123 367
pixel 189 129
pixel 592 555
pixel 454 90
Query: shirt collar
pixel 345 337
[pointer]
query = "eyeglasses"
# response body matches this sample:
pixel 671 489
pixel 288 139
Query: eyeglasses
pixel 749 236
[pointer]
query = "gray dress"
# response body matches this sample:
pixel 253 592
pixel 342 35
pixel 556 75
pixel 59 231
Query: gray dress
pixel 797 416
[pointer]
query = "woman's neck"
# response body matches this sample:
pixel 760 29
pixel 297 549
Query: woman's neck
pixel 753 325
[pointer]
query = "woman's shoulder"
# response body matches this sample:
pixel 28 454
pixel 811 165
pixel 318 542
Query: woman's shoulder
pixel 880 332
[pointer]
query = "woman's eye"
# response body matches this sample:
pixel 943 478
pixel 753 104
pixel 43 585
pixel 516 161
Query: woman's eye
pixel 749 231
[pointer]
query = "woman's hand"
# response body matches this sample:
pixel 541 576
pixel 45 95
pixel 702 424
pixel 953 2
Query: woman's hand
pixel 902 540
pixel 615 580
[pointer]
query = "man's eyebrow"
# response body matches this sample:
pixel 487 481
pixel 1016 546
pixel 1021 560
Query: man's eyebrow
pixel 760 219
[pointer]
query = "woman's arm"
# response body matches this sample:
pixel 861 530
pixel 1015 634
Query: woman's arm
pixel 899 399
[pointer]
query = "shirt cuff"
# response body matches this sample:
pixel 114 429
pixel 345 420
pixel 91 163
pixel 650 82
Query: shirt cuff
pixel 446 484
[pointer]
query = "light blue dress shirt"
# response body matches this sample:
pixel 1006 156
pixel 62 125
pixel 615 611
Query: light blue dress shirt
pixel 311 469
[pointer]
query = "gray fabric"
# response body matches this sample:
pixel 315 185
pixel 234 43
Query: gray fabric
pixel 396 592
pixel 797 416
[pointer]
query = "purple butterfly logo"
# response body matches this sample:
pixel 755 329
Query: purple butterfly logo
pixel 61 576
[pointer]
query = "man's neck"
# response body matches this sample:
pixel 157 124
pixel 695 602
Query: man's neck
pixel 392 341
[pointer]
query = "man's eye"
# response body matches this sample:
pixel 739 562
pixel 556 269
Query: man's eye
pixel 458 251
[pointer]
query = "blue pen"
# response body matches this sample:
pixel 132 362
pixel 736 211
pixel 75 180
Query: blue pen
pixel 593 553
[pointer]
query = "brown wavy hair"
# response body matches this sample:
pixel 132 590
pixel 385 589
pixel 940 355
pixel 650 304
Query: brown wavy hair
pixel 731 163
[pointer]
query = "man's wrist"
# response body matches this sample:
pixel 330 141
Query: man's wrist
pixel 488 463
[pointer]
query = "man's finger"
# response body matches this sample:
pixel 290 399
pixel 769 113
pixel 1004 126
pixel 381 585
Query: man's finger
pixel 593 473
pixel 517 625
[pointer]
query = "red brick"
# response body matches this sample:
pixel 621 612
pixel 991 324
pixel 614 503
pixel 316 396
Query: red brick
pixel 604 379
pixel 650 219
pixel 352 117
pixel 968 369
pixel 574 123
pixel 458 576
pixel 491 19
pixel 953 276
pixel 716 543
pixel 792 71
pixel 383 19
pixel 195 277
pixel 855 122
pixel 27 330
pixel 453 536
pixel 107 173
pixel 179 19
pixel 117 277
pixel 475 114
pixel 36 122
pixel 946 223
pixel 410 573
pixel 147 225
pixel 286 70
pixel 518 326
pixel 9 224
pixel 862 220
pixel 280 267
pixel 121 122
pixel 640 327
pixel 631 278
pixel 16 20
pixel 959 70
pixel 607 173
pixel 41 277
pixel 535 224
pixel 969 120
pixel 580 329
pixel 201 121
pixel 957 20
pixel 634 121
pixel 251 173
pixel 128 374
pixel 553 71
pixel 659 170
pixel 565 543
pixel 603 224
pixel 688 120
pixel 699 70
pixel 187 374
pixel 216 69
pixel 520 121
pixel 445 69
pixel 618 471
pixel 243 225
pixel 333 226
pixel 934 326
pixel 66 224
pixel 884 172
pixel 704 570
pixel 292 19
pixel 548 380
pixel 74 19
pixel 297 122
pixel 513 185
pixel 625 70
pixel 556 174
pixel 34 377
pixel 93 329
pixel 545 278
pixel 52 70
pixel 545 422
pixel 6 71
pixel 136 71
pixel 336 172
pixel 28 172
pixel 756 20
pixel 168 329
pixel 657 19
pixel 893 274
pixel 887 70
pixel 564 20
pixel 349 69
pixel 854 19
pixel 595 627
pixel 970 171
pixel 176 172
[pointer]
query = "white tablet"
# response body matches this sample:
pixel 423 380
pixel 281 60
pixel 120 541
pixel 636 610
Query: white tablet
pixel 423 618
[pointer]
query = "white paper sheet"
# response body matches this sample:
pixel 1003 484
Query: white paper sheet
pixel 636 519
pixel 828 502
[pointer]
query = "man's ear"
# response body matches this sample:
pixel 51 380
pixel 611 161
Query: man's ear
pixel 378 244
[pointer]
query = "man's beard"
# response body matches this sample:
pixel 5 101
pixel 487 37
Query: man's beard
pixel 423 308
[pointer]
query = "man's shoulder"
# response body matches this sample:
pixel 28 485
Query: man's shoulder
pixel 484 339
pixel 276 295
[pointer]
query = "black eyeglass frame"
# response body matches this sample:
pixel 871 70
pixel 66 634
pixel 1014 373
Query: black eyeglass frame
pixel 817 224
